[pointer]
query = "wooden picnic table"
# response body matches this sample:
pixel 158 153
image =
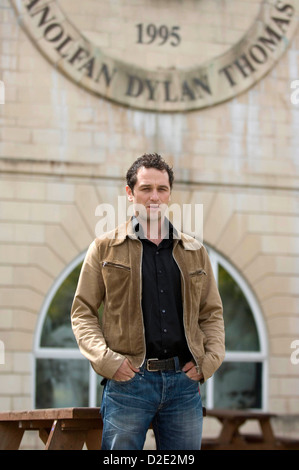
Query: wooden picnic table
pixel 230 436
pixel 59 428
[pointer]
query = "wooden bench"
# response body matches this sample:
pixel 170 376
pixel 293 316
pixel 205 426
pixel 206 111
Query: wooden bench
pixel 59 429
pixel 230 436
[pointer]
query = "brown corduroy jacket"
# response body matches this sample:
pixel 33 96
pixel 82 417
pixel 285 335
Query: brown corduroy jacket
pixel 111 274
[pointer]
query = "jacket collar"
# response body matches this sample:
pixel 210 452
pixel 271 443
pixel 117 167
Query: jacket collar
pixel 127 229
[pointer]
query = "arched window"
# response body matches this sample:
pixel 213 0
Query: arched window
pixel 64 378
pixel 241 381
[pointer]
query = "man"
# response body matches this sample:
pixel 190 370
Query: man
pixel 162 329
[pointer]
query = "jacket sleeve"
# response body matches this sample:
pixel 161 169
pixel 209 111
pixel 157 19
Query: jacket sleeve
pixel 89 295
pixel 211 323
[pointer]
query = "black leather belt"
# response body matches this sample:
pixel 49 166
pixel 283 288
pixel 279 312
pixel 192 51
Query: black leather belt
pixel 155 365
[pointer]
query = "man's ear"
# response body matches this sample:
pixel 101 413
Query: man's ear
pixel 129 193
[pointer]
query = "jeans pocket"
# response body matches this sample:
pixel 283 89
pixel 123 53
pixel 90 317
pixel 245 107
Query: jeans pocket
pixel 189 378
pixel 125 382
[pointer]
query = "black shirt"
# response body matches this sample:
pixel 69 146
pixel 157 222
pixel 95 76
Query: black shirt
pixel 162 299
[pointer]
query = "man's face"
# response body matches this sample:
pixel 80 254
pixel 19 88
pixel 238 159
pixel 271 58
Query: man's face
pixel 152 191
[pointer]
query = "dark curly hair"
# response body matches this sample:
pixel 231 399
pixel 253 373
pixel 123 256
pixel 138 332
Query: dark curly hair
pixel 148 160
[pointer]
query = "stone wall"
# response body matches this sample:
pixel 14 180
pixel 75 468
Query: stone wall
pixel 65 150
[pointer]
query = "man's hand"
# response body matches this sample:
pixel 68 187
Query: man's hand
pixel 125 372
pixel 190 370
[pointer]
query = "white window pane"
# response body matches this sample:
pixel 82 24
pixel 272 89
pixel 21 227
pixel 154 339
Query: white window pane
pixel 237 385
pixel 57 330
pixel 61 383
pixel 240 329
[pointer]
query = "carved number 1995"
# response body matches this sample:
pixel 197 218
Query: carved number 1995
pixel 147 34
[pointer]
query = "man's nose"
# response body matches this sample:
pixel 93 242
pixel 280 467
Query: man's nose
pixel 154 196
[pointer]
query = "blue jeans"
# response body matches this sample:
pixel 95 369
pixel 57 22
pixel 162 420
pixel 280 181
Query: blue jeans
pixel 169 400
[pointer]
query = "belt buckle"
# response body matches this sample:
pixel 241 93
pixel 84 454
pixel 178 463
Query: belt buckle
pixel 148 365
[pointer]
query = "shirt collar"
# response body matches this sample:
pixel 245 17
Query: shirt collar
pixel 137 228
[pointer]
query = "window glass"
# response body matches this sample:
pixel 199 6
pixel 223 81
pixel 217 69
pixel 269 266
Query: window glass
pixel 57 331
pixel 238 385
pixel 61 383
pixel 100 388
pixel 203 394
pixel 240 328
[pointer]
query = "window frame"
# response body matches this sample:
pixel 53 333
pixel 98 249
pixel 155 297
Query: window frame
pixel 60 353
pixel 242 356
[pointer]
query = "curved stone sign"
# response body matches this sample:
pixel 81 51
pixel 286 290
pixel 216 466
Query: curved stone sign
pixel 160 89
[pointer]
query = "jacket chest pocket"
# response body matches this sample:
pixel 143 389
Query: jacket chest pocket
pixel 117 279
pixel 197 279
pixel 112 264
pixel 198 272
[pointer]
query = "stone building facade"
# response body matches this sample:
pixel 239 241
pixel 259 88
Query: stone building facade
pixel 86 88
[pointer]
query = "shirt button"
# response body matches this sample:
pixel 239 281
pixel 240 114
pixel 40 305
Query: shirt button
pixel 164 330
pixel 163 310
pixel 161 291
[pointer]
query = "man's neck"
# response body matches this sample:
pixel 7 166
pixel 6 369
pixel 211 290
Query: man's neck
pixel 155 230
